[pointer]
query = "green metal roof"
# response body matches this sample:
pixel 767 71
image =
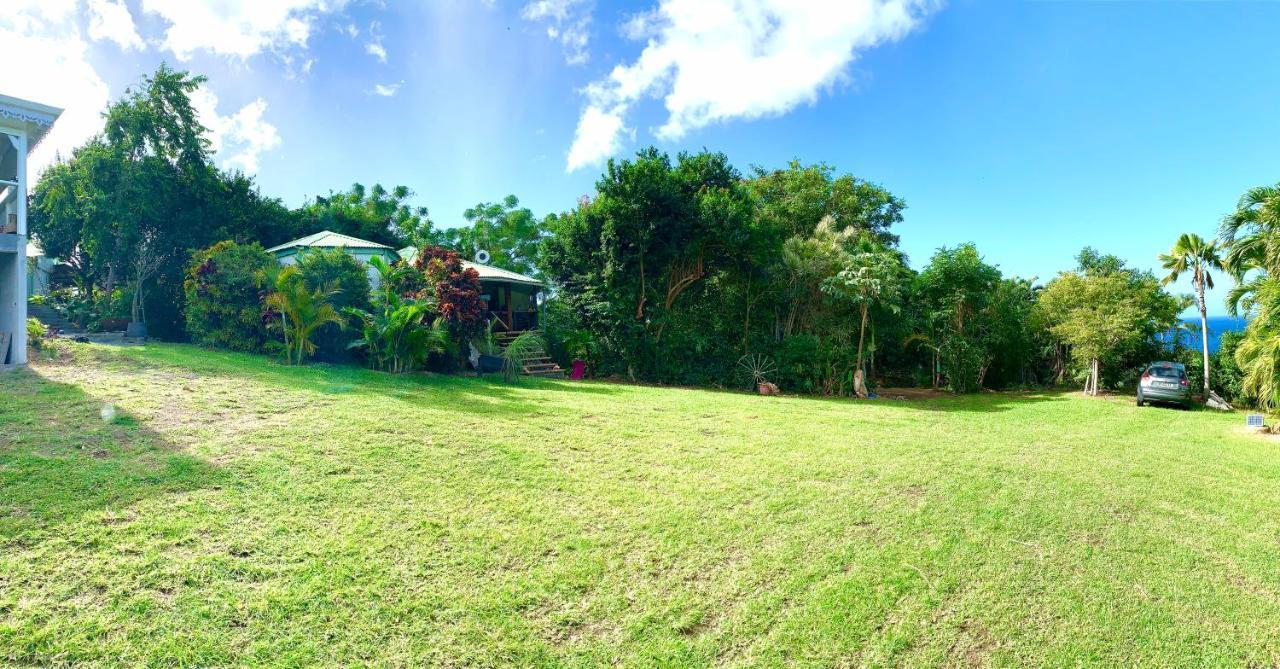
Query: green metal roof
pixel 329 239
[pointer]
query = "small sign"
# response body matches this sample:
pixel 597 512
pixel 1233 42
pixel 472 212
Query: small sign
pixel 1255 420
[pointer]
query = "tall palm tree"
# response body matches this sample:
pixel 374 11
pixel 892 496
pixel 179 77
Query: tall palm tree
pixel 1252 237
pixel 1193 254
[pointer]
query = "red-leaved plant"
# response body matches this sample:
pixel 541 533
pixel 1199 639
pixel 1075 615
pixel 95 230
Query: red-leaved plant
pixel 456 290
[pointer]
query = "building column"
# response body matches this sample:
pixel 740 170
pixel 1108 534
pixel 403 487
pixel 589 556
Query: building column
pixel 20 267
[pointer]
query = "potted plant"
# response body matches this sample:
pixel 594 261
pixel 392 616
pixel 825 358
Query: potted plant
pixel 579 344
pixel 759 368
pixel 490 354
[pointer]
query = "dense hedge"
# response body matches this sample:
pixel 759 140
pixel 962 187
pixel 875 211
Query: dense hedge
pixel 224 296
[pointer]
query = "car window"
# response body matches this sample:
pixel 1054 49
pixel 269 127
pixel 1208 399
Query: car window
pixel 1166 372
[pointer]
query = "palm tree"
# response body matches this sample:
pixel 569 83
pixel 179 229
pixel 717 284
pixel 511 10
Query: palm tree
pixel 1193 254
pixel 302 311
pixel 1252 237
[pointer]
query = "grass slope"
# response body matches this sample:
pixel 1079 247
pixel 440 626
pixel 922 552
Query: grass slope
pixel 242 513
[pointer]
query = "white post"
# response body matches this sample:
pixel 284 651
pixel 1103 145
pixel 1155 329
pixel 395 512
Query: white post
pixel 20 267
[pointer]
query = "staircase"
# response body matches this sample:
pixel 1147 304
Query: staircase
pixel 539 364
pixel 45 314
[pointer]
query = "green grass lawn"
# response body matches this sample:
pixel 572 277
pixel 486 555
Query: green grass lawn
pixel 237 512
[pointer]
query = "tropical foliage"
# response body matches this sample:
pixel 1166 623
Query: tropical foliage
pixel 519 351
pixel 1193 255
pixel 670 270
pixel 298 311
pixel 1103 311
pixel 348 280
pixel 397 334
pixel 509 233
pixel 127 207
pixel 224 296
pixel 376 214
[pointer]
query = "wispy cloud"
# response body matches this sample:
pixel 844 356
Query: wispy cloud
pixel 718 60
pixel 55 70
pixel 385 90
pixel 374 47
pixel 567 22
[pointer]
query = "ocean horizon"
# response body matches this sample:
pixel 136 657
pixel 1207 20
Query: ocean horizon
pixel 1217 326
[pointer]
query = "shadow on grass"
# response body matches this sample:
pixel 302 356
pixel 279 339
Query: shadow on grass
pixel 980 402
pixel 489 394
pixel 60 459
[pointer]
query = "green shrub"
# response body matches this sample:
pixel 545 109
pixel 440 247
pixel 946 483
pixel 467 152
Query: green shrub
pixel 224 299
pixel 338 271
pixel 1225 375
pixel 36 332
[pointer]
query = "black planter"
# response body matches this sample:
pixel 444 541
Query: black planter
pixel 136 330
pixel 490 364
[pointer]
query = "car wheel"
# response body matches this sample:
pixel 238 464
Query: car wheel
pixel 1140 402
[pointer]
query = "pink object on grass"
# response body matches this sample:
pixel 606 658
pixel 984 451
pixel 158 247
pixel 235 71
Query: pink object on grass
pixel 579 370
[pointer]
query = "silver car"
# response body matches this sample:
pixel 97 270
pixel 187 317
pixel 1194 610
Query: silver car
pixel 1165 382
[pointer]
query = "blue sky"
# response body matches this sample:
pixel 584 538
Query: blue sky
pixel 1029 128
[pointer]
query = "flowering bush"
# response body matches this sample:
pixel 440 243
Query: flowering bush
pixel 224 299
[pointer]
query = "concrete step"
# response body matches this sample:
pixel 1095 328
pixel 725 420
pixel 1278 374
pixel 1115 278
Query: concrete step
pixel 46 314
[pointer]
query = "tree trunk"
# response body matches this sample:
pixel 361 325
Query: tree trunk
pixel 936 372
pixel 111 280
pixel 135 311
pixel 1204 335
pixel 862 331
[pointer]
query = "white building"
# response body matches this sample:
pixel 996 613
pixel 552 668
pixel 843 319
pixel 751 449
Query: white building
pixel 22 125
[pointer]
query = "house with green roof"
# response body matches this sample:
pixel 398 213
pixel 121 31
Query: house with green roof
pixel 361 249
pixel 510 298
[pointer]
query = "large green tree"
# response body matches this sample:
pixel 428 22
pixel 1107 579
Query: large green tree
pixel 508 232
pixel 954 292
pixel 1102 310
pixel 794 200
pixel 640 261
pixel 130 206
pixel 376 214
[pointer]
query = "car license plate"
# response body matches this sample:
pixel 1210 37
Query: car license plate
pixel 1163 384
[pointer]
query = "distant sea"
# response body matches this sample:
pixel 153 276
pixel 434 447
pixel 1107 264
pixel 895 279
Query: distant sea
pixel 1217 326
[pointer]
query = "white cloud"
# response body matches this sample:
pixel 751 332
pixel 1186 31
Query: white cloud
pixel 374 47
pixel 568 22
pixel 111 20
pixel 54 69
pixel 599 136
pixel 717 60
pixel 239 28
pixel 386 90
pixel 240 138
